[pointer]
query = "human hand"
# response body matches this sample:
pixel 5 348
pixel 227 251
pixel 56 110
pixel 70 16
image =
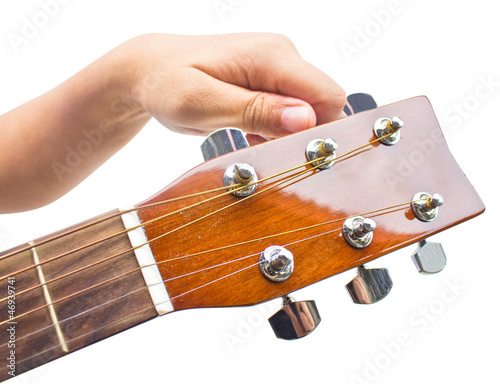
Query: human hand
pixel 191 84
pixel 256 82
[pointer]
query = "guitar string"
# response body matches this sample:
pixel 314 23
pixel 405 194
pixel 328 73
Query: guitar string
pixel 133 248
pixel 150 307
pixel 162 282
pixel 110 236
pixel 127 316
pixel 107 281
pixel 183 226
pixel 197 288
pixel 174 259
pixel 217 211
pixel 165 261
pixel 182 294
pixel 156 238
pixel 134 314
pixel 234 188
pixel 84 226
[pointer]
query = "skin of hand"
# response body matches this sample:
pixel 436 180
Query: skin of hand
pixel 190 84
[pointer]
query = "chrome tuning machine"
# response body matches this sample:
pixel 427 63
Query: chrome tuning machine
pixel 223 141
pixel 425 206
pixel 228 140
pixel 358 231
pixel 370 286
pixel 276 263
pixel 389 128
pixel 295 319
pixel 321 149
pixel 429 257
pixel 241 178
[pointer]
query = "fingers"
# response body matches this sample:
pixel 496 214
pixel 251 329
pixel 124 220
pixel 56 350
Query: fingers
pixel 271 115
pixel 274 66
pixel 256 82
pixel 306 82
pixel 213 104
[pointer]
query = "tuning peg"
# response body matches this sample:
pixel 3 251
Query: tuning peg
pixel 322 149
pixel 391 127
pixel 370 286
pixel 429 257
pixel 358 231
pixel 295 320
pixel 223 141
pixel 425 206
pixel 240 175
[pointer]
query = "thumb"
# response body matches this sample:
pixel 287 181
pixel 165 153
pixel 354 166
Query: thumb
pixel 272 115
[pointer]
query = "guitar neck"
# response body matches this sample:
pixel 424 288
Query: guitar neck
pixel 56 300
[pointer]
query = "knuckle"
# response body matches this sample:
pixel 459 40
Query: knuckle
pixel 279 41
pixel 254 114
pixel 339 99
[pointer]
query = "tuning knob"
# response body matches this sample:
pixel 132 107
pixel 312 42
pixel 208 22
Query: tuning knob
pixel 425 206
pixel 358 231
pixel 370 286
pixel 295 320
pixel 429 257
pixel 390 127
pixel 223 141
pixel 321 149
pixel 359 102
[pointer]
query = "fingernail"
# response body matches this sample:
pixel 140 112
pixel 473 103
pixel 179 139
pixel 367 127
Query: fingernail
pixel 295 119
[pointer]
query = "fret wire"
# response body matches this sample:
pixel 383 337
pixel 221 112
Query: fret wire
pixel 136 313
pixel 88 333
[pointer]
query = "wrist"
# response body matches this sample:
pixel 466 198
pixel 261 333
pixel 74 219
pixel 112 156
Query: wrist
pixel 136 78
pixel 123 74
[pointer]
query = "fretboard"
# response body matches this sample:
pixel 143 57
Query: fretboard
pixel 52 308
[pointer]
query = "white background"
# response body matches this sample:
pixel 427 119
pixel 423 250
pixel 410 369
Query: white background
pixel 444 50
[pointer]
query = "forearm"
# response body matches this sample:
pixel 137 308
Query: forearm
pixel 50 144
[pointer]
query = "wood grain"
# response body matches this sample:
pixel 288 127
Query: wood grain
pixel 373 178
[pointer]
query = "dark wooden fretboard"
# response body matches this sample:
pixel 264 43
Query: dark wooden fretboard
pixel 54 318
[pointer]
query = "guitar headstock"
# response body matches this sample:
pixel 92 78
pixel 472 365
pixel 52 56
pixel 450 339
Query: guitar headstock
pixel 208 246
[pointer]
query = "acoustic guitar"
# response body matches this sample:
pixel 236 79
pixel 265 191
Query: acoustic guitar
pixel 242 228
